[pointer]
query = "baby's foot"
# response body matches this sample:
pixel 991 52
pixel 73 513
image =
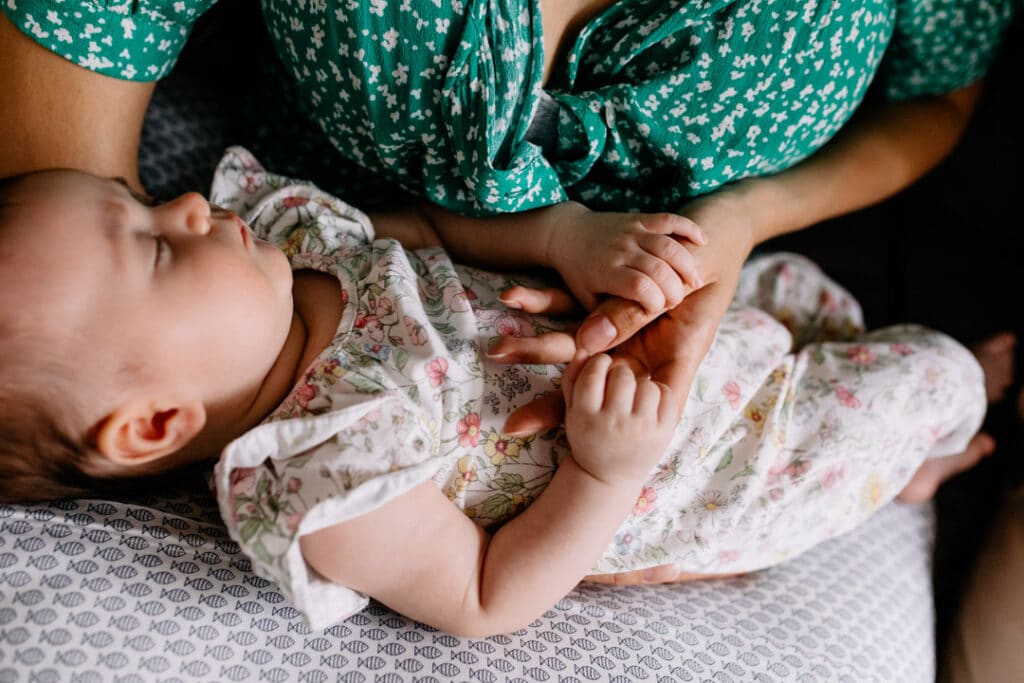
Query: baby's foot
pixel 934 471
pixel 995 355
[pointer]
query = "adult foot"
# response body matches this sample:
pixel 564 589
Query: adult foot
pixel 995 355
pixel 934 471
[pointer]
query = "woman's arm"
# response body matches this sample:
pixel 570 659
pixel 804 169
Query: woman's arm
pixel 880 152
pixel 56 114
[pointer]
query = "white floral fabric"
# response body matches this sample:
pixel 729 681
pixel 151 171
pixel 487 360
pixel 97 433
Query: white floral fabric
pixel 798 427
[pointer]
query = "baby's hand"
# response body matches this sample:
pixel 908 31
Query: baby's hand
pixel 634 256
pixel 618 424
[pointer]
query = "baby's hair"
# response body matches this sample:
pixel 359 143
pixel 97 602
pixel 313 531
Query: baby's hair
pixel 45 440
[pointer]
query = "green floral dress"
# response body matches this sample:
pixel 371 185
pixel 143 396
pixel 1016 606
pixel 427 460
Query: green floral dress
pixel 657 100
pixel 787 439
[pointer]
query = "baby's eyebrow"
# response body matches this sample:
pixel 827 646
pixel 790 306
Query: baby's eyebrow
pixel 141 198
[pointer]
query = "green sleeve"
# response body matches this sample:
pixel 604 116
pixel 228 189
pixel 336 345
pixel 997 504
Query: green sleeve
pixel 134 40
pixel 941 45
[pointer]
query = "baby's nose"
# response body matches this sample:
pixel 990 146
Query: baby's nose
pixel 193 210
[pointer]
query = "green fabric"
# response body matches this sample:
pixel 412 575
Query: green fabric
pixel 135 40
pixel 661 100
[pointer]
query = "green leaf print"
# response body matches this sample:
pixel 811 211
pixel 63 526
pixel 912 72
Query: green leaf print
pixel 260 551
pixel 401 357
pixel 249 529
pixel 362 384
pixel 496 506
pixel 510 482
pixel 725 461
pixel 819 355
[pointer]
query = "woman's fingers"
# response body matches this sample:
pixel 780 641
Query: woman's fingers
pixel 544 349
pixel 546 300
pixel 539 415
pixel 611 323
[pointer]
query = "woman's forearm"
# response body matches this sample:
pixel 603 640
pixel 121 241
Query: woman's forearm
pixel 879 153
pixel 56 114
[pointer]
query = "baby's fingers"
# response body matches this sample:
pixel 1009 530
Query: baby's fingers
pixel 620 389
pixel 589 390
pixel 674 224
pixel 632 283
pixel 678 257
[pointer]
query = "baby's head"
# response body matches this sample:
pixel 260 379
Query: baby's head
pixel 134 338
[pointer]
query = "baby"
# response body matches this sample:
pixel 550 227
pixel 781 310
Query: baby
pixel 344 380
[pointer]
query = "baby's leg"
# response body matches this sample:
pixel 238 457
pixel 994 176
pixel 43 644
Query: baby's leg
pixel 794 291
pixel 995 356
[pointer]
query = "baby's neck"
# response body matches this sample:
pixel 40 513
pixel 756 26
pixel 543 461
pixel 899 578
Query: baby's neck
pixel 315 318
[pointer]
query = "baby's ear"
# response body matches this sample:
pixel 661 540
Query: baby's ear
pixel 141 431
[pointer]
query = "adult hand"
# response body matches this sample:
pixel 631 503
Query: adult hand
pixel 669 350
pixel 672 349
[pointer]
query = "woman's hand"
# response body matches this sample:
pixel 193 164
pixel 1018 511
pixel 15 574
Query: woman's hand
pixel 669 350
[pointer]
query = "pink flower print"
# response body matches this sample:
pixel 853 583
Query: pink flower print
pixel 305 394
pixel 901 349
pixel 861 355
pixel 375 329
pixel 437 370
pixel 385 306
pixel 454 297
pixel 826 302
pixel 831 476
pixel 469 430
pixel 362 320
pixel 727 556
pixel 293 484
pixel 242 479
pixel 509 325
pixel 292 202
pixel 775 494
pixel 292 521
pixel 251 182
pixel 470 294
pixel 785 274
pixel 417 335
pixel 797 469
pixel 645 503
pixel 847 398
pixel 732 394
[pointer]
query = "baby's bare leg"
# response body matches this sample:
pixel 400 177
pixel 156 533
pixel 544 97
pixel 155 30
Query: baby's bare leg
pixel 995 355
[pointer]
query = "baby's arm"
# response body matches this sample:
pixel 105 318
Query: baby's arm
pixel 423 557
pixel 635 256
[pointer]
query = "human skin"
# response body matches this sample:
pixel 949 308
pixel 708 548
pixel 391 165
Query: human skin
pixel 881 151
pixel 216 329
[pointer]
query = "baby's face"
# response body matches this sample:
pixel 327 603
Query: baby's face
pixel 184 292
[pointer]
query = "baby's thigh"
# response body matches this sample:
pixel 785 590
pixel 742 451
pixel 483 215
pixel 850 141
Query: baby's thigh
pixel 794 290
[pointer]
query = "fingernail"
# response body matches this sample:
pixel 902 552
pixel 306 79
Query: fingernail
pixel 598 334
pixel 510 303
